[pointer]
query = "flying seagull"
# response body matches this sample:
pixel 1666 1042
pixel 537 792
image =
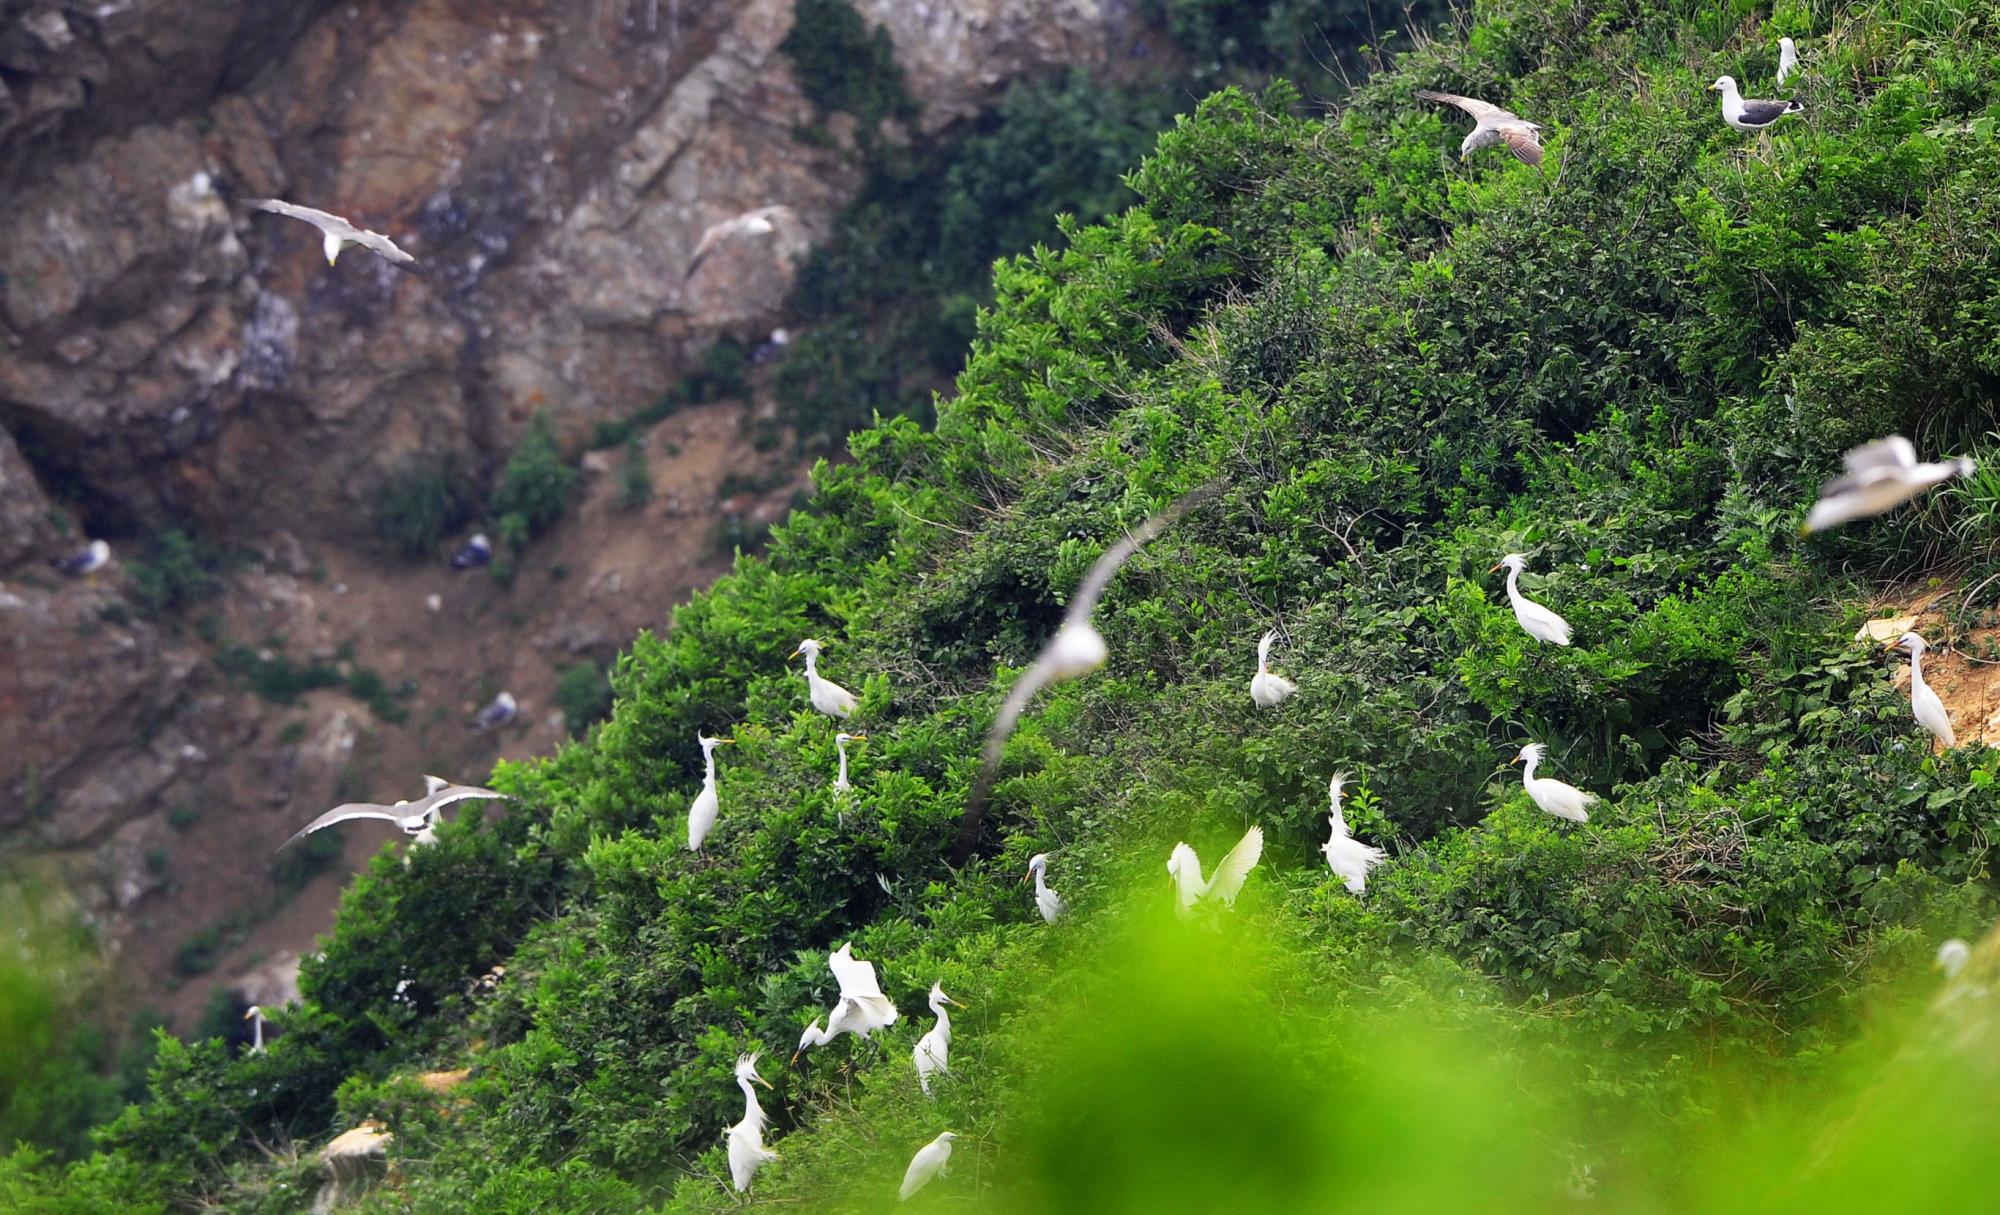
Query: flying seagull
pixel 498 713
pixel 477 551
pixel 86 560
pixel 338 232
pixel 1492 125
pixel 1076 649
pixel 1788 58
pixel 415 818
pixel 1750 115
pixel 1880 476
pixel 761 222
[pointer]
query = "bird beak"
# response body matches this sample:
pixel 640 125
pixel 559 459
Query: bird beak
pixel 793 654
pixel 725 742
pixel 766 1083
pixel 856 737
pixel 1024 877
pixel 332 257
pixel 796 1054
pixel 247 1015
pixel 1713 87
pixel 1513 761
pixel 1494 570
pixel 950 1001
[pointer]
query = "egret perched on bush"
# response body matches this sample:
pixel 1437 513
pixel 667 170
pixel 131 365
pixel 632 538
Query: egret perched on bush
pixel 1879 476
pixel 933 1050
pixel 1538 621
pixel 862 1008
pixel 255 1016
pixel 1924 701
pixel 927 1164
pixel 747 1152
pixel 1349 858
pixel 1227 880
pixel 1552 795
pixel 701 815
pixel 1047 901
pixel 840 741
pixel 827 696
pixel 1076 649
pixel 1268 691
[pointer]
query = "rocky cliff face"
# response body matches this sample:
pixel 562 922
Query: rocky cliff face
pixel 169 358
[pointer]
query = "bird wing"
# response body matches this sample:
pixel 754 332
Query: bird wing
pixel 1233 869
pixel 1894 451
pixel 449 794
pixel 856 978
pixel 381 245
pixel 1482 111
pixel 1521 141
pixel 350 810
pixel 323 220
pixel 1033 680
pixel 1762 113
pixel 1091 590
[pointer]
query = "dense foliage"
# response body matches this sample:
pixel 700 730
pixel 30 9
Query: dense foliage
pixel 1633 364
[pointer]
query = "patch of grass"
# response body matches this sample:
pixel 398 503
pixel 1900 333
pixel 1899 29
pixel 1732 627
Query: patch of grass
pixel 534 487
pixel 172 570
pixel 419 505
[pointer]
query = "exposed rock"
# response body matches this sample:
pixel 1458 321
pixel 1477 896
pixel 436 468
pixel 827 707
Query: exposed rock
pixel 25 528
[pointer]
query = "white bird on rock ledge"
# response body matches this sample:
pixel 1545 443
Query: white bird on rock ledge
pixel 1552 795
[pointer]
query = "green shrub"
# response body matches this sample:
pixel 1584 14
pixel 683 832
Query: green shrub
pixel 419 505
pixel 842 65
pixel 534 486
pixel 584 695
pixel 172 570
pixel 635 479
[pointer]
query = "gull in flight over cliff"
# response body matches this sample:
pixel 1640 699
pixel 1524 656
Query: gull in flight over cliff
pixel 1492 125
pixel 1076 649
pixel 1880 476
pixel 1537 621
pixel 1227 880
pixel 338 232
pixel 1924 700
pixel 1552 795
pixel 1750 115
pixel 862 1008
pixel 1268 691
pixel 761 222
pixel 415 818
pixel 1349 858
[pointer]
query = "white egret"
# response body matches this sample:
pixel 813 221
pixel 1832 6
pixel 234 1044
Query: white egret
pixel 1952 957
pixel 1227 880
pixel 933 1050
pixel 1788 58
pixel 747 1152
pixel 1879 476
pixel 1537 621
pixel 927 1164
pixel 827 696
pixel 1076 649
pixel 701 814
pixel 1750 115
pixel 1349 858
pixel 415 818
pixel 255 1016
pixel 1047 901
pixel 862 1008
pixel 1268 691
pixel 840 741
pixel 1924 701
pixel 1492 125
pixel 337 233
pixel 1552 795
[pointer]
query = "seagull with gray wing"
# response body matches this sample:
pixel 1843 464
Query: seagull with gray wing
pixel 761 222
pixel 1750 114
pixel 417 818
pixel 89 559
pixel 338 232
pixel 1492 125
